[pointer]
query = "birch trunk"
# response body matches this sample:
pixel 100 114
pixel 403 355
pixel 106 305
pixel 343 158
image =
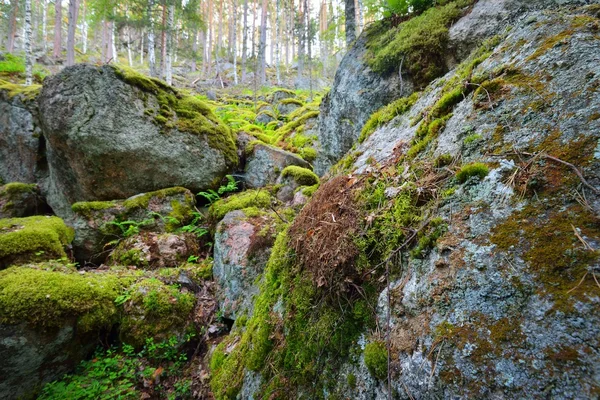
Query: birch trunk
pixel 151 54
pixel 84 29
pixel 245 41
pixel 170 44
pixel 57 29
pixel 277 41
pixel 44 25
pixel 234 43
pixel 262 54
pixel 28 45
pixel 163 42
pixel 73 11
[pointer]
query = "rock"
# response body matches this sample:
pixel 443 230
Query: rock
pixel 19 200
pixel 151 250
pixel 281 94
pixel 355 94
pixel 97 223
pixel 211 95
pixel 242 141
pixel 37 238
pixel 20 142
pixel 32 357
pixel 242 248
pixel 264 117
pixel 292 178
pixel 287 108
pixel 265 163
pixel 112 133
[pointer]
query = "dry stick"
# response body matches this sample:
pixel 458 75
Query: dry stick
pixel 486 91
pixel 387 333
pixel 435 363
pixel 400 75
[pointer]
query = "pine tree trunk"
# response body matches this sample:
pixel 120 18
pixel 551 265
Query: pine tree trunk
pixel 142 47
pixel 262 53
pixel 245 41
pixel 194 50
pixel 113 43
pixel 301 41
pixel 253 33
pixel 350 22
pixel 28 45
pixel 360 17
pixel 12 26
pixel 73 11
pixel 308 44
pixel 210 39
pixel 234 43
pixel 57 29
pixel 151 53
pixel 170 44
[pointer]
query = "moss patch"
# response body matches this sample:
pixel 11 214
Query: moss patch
pixel 25 92
pixel 386 114
pixel 50 298
pixel 302 176
pixel 25 239
pixel 376 359
pixel 249 198
pixel 477 169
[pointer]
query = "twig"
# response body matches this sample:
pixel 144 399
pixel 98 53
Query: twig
pixel 400 75
pixel 435 363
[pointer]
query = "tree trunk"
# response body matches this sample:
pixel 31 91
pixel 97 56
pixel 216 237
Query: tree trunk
pixel 113 43
pixel 57 29
pixel 170 44
pixel 360 17
pixel 210 38
pixel 163 42
pixel 84 29
pixel 245 41
pixel 234 43
pixel 73 11
pixel 253 33
pixel 350 22
pixel 142 47
pixel 44 25
pixel 277 41
pixel 308 44
pixel 12 26
pixel 262 54
pixel 301 42
pixel 28 45
pixel 151 53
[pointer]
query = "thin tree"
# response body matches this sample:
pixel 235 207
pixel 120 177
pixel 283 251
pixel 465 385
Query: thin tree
pixel 73 11
pixel 151 54
pixel 84 29
pixel 301 40
pixel 245 41
pixel 262 53
pixel 57 28
pixel 170 43
pixel 44 25
pixel 28 46
pixel 234 48
pixel 350 22
pixel 12 26
pixel 277 41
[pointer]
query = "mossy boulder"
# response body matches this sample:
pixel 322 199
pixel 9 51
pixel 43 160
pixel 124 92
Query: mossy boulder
pixel 265 163
pixel 112 133
pixel 98 223
pixel 21 200
pixel 34 238
pixel 150 250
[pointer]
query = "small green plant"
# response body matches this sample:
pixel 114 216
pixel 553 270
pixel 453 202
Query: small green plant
pixel 123 298
pixel 193 259
pixel 194 226
pixel 211 196
pixel 129 228
pixel 477 169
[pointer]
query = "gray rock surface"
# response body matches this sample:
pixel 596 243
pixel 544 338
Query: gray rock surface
pixel 265 164
pixel 32 357
pixel 242 248
pixel 19 200
pixel 20 158
pixel 103 145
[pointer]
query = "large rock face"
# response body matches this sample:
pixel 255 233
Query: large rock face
pixel 19 138
pixel 505 301
pixel 108 139
pixel 356 93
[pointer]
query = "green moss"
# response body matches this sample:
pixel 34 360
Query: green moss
pixel 443 160
pixel 86 208
pixel 22 238
pixel 142 201
pixel 295 123
pixel 308 153
pixel 309 191
pixel 386 114
pixel 26 92
pixel 18 188
pixel 435 229
pixel 376 359
pixel 186 113
pixel 351 380
pixel 131 257
pixel 153 310
pixel 50 298
pixel 418 43
pixel 471 139
pixel 477 169
pixel 302 176
pixel 292 101
pixel 249 198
